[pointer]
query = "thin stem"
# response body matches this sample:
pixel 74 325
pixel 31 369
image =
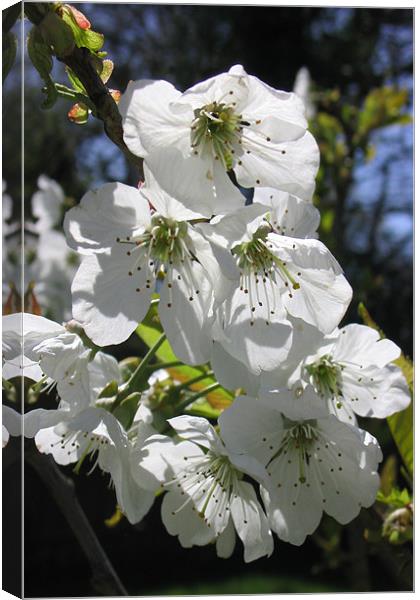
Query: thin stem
pixel 189 382
pixel 196 396
pixel 141 370
pixel 167 365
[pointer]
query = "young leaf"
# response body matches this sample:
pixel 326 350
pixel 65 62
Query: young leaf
pixel 401 423
pixel 40 55
pixel 79 113
pixel 84 38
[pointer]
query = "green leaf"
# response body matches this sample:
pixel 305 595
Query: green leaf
pixel 401 426
pixel 401 423
pixel 389 473
pixel 75 81
pixel 9 48
pixel 57 34
pixel 396 498
pixel 382 107
pixel 149 331
pixel 110 390
pixel 126 411
pixel 107 68
pixel 40 55
pixel 84 38
pixel 327 220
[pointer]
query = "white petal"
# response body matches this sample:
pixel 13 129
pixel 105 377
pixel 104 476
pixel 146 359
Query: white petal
pixel 5 436
pixel 236 227
pixel 296 403
pixel 12 422
pixel 33 328
pixel 22 365
pixel 251 523
pixel 159 458
pixel 265 344
pixel 134 501
pixel 376 392
pixel 201 184
pixel 184 313
pixel 306 339
pixel 148 122
pixel 105 297
pixel 46 204
pixel 112 211
pixel 362 345
pixel 49 441
pixel 230 372
pixel 40 418
pixel 357 454
pixel 211 258
pixel 197 430
pixel 274 113
pixel 290 215
pixel 324 293
pixel 231 87
pixel 296 509
pixel 185 523
pixel 162 202
pixel 260 428
pixel 289 166
pixel 226 541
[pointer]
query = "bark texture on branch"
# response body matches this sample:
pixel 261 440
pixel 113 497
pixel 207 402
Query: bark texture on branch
pixel 105 580
pixel 80 62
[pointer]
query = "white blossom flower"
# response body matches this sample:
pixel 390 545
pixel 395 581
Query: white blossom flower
pixel 50 264
pixel 280 277
pixel 126 249
pixel 206 498
pixel 11 424
pixel 232 121
pixel 44 350
pixel 289 215
pixel 52 272
pixel 313 465
pixel 79 372
pixel 47 204
pixel 21 332
pixel 302 89
pixel 352 372
pixel 49 269
pixel 96 432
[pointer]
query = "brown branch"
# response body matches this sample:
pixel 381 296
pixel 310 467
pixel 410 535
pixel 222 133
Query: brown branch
pixel 105 580
pixel 81 62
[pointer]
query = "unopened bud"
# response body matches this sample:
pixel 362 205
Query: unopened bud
pixel 79 17
pixel 398 526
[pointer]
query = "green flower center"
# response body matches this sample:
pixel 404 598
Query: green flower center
pixel 164 242
pixel 215 129
pixel 260 268
pixel 299 438
pixel 326 378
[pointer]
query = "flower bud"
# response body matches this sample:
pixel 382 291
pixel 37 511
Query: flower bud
pixel 398 526
pixel 79 17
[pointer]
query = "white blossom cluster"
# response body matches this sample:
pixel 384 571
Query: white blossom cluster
pixel 245 287
pixel 50 264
